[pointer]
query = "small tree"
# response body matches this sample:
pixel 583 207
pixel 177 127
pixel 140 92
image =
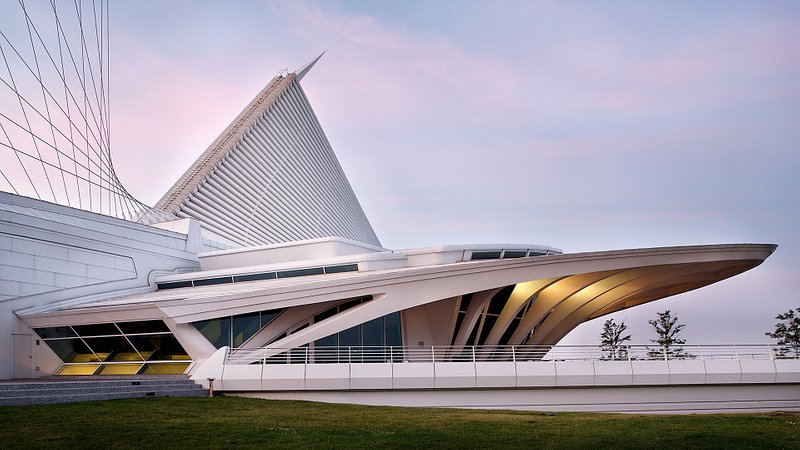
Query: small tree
pixel 667 328
pixel 787 332
pixel 612 340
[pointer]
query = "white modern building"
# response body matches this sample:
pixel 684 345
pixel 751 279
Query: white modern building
pixel 267 264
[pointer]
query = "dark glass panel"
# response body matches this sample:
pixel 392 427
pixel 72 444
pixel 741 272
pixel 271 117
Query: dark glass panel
pixel 98 329
pixel 374 333
pixel 54 332
pixel 254 277
pixel 394 335
pixel 465 301
pixel 459 321
pixel 113 349
pixel 538 253
pixel 71 350
pixel 350 336
pixel 146 326
pixel 347 305
pixel 269 316
pixel 174 284
pixel 499 300
pixel 325 314
pixel 244 326
pixel 343 268
pixel 217 331
pixel 473 334
pixel 212 281
pixel 514 253
pixel 158 347
pixel 324 351
pixel 300 272
pixel 488 323
pixel 485 255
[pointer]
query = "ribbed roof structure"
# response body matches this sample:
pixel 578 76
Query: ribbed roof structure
pixel 271 176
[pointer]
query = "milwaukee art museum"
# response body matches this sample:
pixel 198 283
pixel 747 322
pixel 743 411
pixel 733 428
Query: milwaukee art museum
pixel 259 267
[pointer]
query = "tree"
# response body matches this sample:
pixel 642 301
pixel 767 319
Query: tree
pixel 613 342
pixel 787 332
pixel 667 329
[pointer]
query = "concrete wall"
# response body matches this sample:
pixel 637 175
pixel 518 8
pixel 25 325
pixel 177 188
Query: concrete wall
pixel 52 255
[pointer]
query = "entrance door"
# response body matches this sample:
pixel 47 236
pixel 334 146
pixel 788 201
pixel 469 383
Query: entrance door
pixel 24 364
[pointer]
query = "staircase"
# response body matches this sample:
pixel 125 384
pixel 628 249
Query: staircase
pixel 80 389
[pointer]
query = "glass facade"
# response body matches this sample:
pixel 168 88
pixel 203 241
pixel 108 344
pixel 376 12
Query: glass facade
pixel 233 331
pixel 124 348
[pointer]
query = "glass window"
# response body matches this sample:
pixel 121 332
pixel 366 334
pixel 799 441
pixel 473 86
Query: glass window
pixel 350 336
pixel 254 277
pixel 300 272
pixel 212 281
pixel 98 329
pixel 147 326
pixel 174 284
pixel 217 331
pixel 165 368
pixel 244 326
pixel 119 369
pixel 55 332
pixel 373 333
pixel 78 369
pixel 159 347
pixel 71 350
pixel 113 349
pixel 343 268
pixel 394 335
pixel 515 253
pixel 495 254
pixel 269 316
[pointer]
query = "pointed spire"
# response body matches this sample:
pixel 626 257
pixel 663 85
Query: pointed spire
pixel 301 72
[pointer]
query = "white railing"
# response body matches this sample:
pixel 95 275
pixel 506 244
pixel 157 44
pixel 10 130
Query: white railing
pixel 513 353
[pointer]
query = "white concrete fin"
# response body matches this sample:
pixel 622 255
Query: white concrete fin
pixel 301 72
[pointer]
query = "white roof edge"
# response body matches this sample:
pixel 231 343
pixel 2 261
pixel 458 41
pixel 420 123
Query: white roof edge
pixel 476 247
pixel 234 251
pixel 291 265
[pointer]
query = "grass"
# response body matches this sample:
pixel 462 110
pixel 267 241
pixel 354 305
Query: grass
pixel 230 422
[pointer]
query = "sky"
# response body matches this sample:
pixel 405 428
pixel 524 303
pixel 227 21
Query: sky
pixel 581 125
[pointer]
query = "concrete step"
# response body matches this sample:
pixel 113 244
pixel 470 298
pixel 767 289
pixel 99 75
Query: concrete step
pixel 65 390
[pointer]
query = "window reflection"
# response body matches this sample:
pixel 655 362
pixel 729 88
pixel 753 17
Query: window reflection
pixel 121 347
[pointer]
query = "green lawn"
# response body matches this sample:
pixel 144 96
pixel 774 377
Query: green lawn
pixel 229 422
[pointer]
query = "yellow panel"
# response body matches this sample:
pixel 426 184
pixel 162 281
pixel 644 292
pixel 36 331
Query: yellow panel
pixel 120 369
pixel 77 369
pixel 178 358
pixel 84 357
pixel 165 368
pixel 127 356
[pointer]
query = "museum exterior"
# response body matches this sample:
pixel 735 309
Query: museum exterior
pixel 260 254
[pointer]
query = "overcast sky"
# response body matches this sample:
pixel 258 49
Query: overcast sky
pixel 581 125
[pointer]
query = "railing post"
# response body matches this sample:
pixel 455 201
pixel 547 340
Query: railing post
pixel 433 355
pixel 664 350
pixel 513 355
pixel 474 359
pixel 700 351
pixel 771 353
pixel 349 355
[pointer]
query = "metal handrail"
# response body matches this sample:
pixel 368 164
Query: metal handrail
pixel 502 353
